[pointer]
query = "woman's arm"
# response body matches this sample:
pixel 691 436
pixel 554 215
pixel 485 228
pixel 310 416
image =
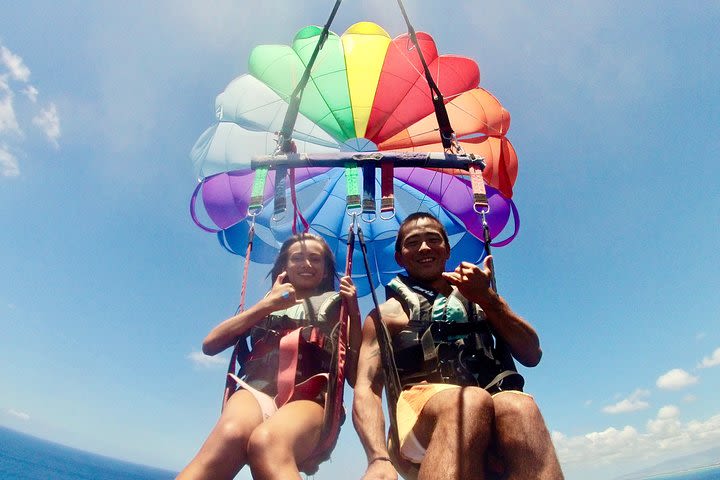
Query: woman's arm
pixel 224 335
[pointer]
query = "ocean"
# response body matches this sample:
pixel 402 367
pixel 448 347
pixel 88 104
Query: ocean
pixel 703 473
pixel 23 457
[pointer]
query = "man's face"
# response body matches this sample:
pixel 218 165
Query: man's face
pixel 423 251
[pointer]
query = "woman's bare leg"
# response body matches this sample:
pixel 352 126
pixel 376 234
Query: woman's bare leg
pixel 224 452
pixel 285 440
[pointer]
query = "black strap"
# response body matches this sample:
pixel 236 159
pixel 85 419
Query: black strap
pixel 387 357
pixel 285 136
pixel 447 134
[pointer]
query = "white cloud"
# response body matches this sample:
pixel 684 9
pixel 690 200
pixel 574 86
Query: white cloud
pixel 14 76
pixel 676 379
pixel 49 122
pixel 31 93
pixel 17 414
pixel 8 119
pixel 711 361
pixel 206 361
pixel 9 166
pixel 665 436
pixel 14 64
pixel 633 403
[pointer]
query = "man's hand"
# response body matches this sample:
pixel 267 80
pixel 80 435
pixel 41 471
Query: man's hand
pixel 474 282
pixel 380 470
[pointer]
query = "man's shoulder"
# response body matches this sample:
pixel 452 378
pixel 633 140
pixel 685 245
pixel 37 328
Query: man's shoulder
pixel 391 306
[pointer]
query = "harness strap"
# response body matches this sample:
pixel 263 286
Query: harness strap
pixel 280 203
pixel 447 134
pixel 368 200
pixel 285 135
pixel 287 366
pixel 297 213
pixel 336 384
pixel 387 357
pixel 480 201
pixel 387 203
pixel 352 185
pixel 258 189
pixel 241 349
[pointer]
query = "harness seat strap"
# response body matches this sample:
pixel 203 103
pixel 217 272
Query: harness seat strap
pixel 287 366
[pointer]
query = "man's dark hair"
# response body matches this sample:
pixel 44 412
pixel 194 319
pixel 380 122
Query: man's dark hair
pixel 413 217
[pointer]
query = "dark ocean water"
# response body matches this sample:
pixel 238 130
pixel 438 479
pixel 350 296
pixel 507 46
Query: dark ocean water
pixel 28 458
pixel 23 457
pixel 706 473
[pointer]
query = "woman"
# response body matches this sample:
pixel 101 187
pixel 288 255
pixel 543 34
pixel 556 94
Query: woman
pixel 277 438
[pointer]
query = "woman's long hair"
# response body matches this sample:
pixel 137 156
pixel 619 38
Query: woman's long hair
pixel 328 282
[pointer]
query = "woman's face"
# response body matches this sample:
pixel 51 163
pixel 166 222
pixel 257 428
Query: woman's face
pixel 306 265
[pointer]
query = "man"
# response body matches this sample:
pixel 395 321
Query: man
pixel 446 422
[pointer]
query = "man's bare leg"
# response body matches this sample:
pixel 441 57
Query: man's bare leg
pixel 456 425
pixel 523 440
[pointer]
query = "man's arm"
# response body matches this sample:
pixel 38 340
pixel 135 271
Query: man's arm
pixel 368 416
pixel 475 284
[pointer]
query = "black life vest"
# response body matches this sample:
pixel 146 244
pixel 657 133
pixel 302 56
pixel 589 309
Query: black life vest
pixel 318 320
pixel 434 348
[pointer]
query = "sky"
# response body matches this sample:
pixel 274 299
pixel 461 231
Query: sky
pixel 108 288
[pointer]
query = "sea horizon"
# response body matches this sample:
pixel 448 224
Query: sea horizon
pixel 24 456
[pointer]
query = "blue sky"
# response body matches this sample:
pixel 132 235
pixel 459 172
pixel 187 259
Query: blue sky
pixel 107 287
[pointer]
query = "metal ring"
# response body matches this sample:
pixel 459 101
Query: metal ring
pixel 254 211
pixel 387 218
pixel 481 211
pixel 277 218
pixel 371 217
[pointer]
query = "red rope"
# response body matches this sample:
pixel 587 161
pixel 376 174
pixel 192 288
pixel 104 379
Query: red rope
pixel 332 418
pixel 229 381
pixel 296 211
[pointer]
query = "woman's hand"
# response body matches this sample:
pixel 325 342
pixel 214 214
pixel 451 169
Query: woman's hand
pixel 348 292
pixel 282 295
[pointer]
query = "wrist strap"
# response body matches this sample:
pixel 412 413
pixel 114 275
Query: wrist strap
pixel 379 459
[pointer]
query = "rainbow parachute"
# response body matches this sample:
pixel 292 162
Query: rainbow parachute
pixel 367 92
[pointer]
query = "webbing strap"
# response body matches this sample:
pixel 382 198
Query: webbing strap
pixel 387 358
pixel 352 185
pixel 480 201
pixel 296 211
pixel 336 385
pixel 258 189
pixel 287 366
pixel 285 135
pixel 368 199
pixel 280 203
pixel 387 203
pixel 447 134
pixel 240 348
